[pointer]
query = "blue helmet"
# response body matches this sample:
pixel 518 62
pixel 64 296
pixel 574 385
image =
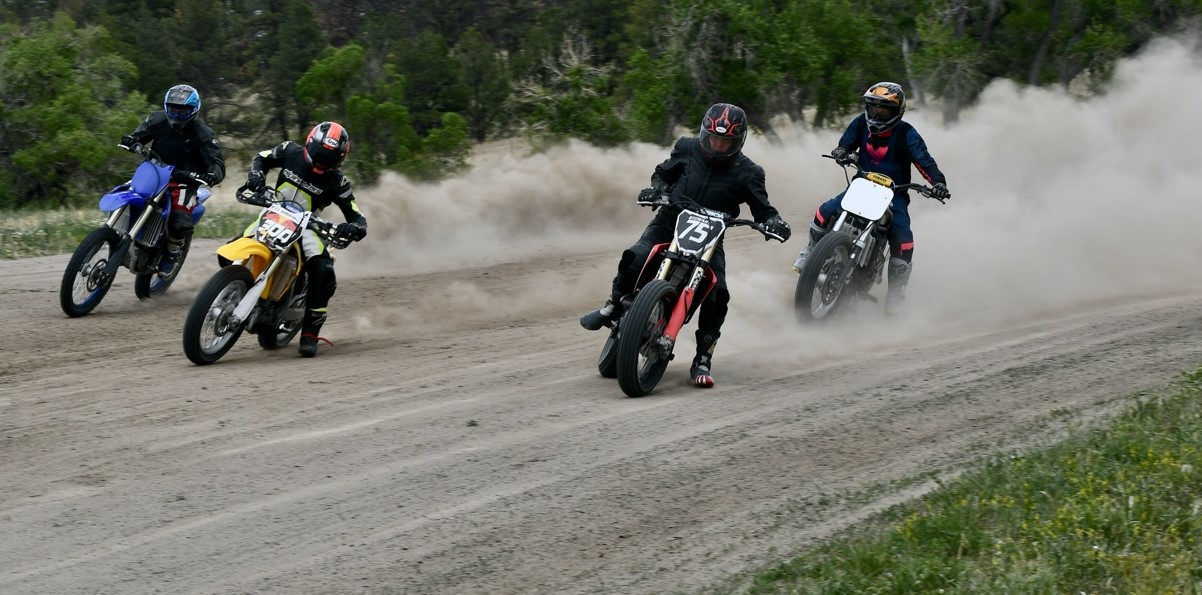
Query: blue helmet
pixel 181 103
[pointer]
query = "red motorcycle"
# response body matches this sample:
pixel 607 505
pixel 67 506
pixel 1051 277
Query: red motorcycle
pixel 673 283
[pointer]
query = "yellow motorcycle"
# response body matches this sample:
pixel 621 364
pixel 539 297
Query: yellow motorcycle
pixel 261 287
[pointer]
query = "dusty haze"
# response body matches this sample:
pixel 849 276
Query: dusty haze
pixel 1057 202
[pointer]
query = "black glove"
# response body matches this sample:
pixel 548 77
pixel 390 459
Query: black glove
pixel 940 191
pixel 207 178
pixel 649 194
pixel 256 180
pixel 128 141
pixel 842 157
pixel 351 231
pixel 777 226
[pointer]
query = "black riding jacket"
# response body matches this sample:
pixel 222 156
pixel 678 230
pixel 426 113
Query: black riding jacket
pixel 194 147
pixel 297 181
pixel 721 186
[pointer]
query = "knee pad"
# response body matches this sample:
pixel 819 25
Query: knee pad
pixel 322 281
pixel 179 225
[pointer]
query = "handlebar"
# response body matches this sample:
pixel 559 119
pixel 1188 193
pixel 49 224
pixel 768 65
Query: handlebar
pixel 679 200
pixel 922 189
pixel 267 196
pixel 148 154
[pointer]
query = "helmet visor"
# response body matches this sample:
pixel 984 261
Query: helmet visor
pixel 881 112
pixel 718 146
pixel 180 112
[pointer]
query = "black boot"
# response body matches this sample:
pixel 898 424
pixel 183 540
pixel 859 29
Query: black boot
pixel 309 331
pixel 701 372
pixel 605 315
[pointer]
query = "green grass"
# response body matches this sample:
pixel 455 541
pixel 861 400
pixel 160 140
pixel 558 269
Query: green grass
pixel 1113 510
pixel 41 233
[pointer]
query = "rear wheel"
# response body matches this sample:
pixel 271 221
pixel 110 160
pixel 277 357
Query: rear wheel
pixel 820 287
pixel 289 321
pixel 209 330
pixel 607 363
pixel 148 285
pixel 642 354
pixel 84 282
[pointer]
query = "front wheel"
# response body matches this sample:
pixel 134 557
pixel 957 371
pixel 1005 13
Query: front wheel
pixel 820 286
pixel 209 330
pixel 148 285
pixel 84 282
pixel 643 354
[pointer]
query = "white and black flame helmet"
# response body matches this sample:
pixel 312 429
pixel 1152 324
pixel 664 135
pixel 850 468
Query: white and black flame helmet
pixel 723 121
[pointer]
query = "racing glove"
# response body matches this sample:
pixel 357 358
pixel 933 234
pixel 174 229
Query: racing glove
pixel 940 191
pixel 351 231
pixel 256 180
pixel 842 157
pixel 207 178
pixel 777 226
pixel 128 141
pixel 650 195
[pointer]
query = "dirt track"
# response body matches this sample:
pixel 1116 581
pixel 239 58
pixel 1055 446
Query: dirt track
pixel 446 445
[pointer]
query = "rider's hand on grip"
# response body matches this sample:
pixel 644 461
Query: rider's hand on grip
pixel 940 192
pixel 256 180
pixel 650 196
pixel 779 228
pixel 842 156
pixel 351 232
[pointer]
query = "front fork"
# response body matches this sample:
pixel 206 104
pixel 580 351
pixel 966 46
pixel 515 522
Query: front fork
pixel 684 302
pixel 118 255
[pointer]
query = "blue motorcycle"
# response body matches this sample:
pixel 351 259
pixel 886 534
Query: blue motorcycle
pixel 134 237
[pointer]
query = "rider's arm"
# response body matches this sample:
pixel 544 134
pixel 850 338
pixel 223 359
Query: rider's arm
pixel 757 196
pixel 270 159
pixel 146 129
pixel 854 135
pixel 667 173
pixel 922 158
pixel 210 151
pixel 346 203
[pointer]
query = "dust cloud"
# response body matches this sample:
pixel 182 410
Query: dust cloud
pixel 1059 202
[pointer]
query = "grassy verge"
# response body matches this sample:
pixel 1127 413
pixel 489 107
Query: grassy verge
pixel 1114 510
pixel 26 234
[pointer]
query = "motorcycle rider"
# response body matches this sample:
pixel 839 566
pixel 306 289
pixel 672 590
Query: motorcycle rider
pixel 880 141
pixel 180 138
pixel 711 170
pixel 309 175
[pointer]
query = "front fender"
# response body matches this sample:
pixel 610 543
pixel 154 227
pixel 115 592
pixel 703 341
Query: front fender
pixel 254 253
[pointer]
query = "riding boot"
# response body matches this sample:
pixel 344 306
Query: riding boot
pixel 170 257
pixel 606 314
pixel 816 233
pixel 899 276
pixel 310 327
pixel 702 369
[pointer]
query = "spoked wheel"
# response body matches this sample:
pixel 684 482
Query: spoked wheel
pixel 642 353
pixel 289 323
pixel 820 287
pixel 607 363
pixel 84 282
pixel 209 330
pixel 148 285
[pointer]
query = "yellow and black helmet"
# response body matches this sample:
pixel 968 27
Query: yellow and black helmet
pixel 884 104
